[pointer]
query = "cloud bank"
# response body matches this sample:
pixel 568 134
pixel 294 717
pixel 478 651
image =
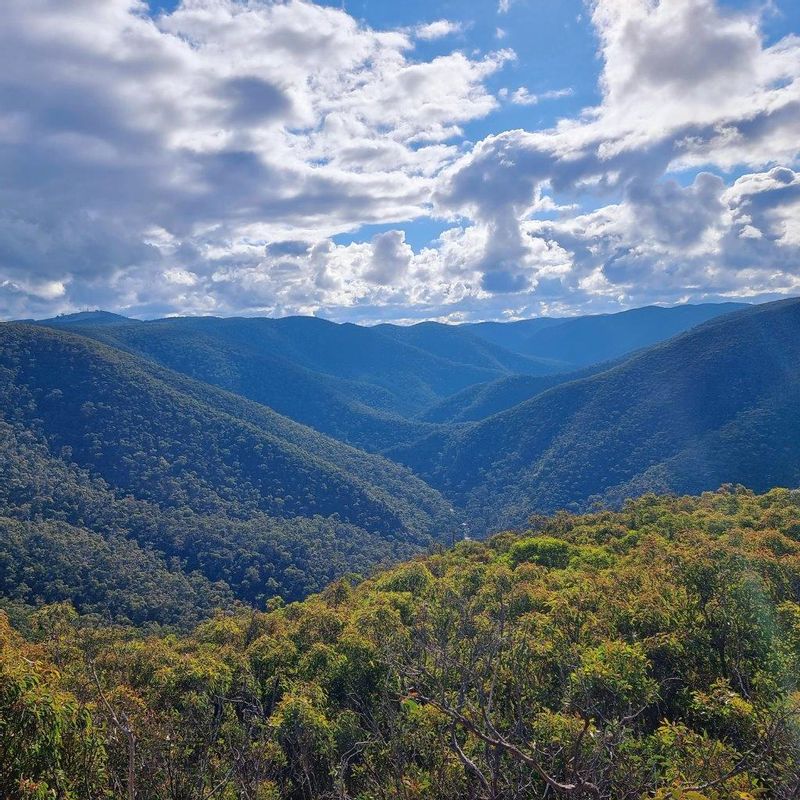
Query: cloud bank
pixel 202 162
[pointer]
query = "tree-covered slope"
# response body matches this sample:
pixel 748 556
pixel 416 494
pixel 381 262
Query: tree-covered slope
pixel 594 339
pixel 720 403
pixel 365 385
pixel 213 351
pixel 178 442
pixel 458 344
pixel 68 536
pixel 650 653
pixel 375 369
pixel 212 483
pixel 104 573
pixel 486 399
pixel 358 385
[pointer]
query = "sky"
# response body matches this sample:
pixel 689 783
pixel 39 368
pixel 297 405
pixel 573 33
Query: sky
pixel 374 160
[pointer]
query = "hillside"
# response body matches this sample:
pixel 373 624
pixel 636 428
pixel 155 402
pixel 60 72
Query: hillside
pixel 653 652
pixel 486 399
pixel 71 537
pixel 360 385
pixel 510 335
pixel 717 404
pixel 376 388
pixel 458 344
pixel 379 370
pixel 594 339
pixel 94 433
pixel 214 351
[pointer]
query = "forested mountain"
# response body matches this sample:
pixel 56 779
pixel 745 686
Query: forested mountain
pixel 224 354
pixel 651 653
pixel 113 444
pixel 179 442
pixel 360 385
pixel 156 444
pixel 486 399
pixel 594 339
pixel 374 387
pixel 70 537
pixel 510 335
pixel 458 344
pixel 370 366
pixel 717 404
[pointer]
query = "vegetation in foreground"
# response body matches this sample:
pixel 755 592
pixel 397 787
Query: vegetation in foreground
pixel 653 652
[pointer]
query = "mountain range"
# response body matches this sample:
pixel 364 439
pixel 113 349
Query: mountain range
pixel 716 404
pixel 249 457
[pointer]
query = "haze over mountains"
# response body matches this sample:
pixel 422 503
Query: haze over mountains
pixel 248 457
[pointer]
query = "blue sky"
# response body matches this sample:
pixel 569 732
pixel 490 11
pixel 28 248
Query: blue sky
pixel 372 160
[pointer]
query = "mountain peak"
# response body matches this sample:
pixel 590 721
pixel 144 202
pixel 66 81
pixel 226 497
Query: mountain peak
pixel 89 318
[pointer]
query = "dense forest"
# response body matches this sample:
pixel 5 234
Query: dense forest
pixel 201 597
pixel 650 652
pixel 155 445
pixel 375 387
pixel 185 488
pixel 716 404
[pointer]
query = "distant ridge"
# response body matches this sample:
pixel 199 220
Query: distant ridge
pixel 360 385
pixel 717 404
pixel 593 339
pixel 94 318
pixel 380 387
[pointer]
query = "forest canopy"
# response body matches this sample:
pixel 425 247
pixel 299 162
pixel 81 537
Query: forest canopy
pixel 653 651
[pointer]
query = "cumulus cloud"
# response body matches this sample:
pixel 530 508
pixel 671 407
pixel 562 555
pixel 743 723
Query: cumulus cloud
pixel 390 258
pixel 134 148
pixel 438 29
pixel 202 161
pixel 522 97
pixel 684 85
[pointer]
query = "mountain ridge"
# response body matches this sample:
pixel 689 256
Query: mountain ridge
pixel 587 440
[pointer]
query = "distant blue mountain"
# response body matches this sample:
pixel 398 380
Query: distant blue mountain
pixel 486 399
pixel 81 318
pixel 581 341
pixel 717 404
pixel 385 386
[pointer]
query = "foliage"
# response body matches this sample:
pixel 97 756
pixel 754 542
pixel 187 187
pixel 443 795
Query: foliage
pixel 49 745
pixel 667 669
pixel 145 496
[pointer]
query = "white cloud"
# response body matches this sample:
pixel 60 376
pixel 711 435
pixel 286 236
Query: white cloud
pixel 522 97
pixel 138 153
pixel 684 85
pixel 390 259
pixel 203 161
pixel 437 29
